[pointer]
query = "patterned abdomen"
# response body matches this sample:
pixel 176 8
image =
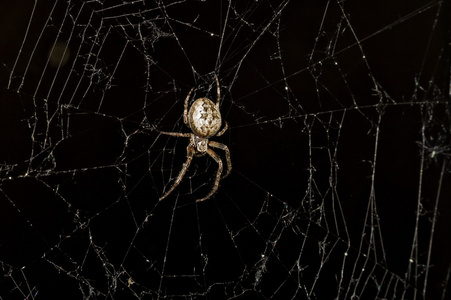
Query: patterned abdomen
pixel 204 118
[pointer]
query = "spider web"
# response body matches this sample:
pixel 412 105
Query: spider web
pixel 339 132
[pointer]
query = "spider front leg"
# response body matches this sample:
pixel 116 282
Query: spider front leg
pixel 190 151
pixel 227 153
pixel 218 175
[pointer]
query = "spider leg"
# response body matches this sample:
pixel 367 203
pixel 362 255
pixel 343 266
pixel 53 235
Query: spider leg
pixel 218 91
pixel 177 134
pixel 190 150
pixel 185 111
pixel 218 175
pixel 227 153
pixel 226 126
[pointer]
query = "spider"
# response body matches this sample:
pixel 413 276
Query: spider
pixel 204 120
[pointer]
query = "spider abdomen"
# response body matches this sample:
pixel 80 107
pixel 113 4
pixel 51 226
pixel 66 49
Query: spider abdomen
pixel 204 118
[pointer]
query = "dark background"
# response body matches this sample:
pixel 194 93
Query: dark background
pixel 339 137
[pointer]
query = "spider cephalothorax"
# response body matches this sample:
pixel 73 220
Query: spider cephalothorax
pixel 204 120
